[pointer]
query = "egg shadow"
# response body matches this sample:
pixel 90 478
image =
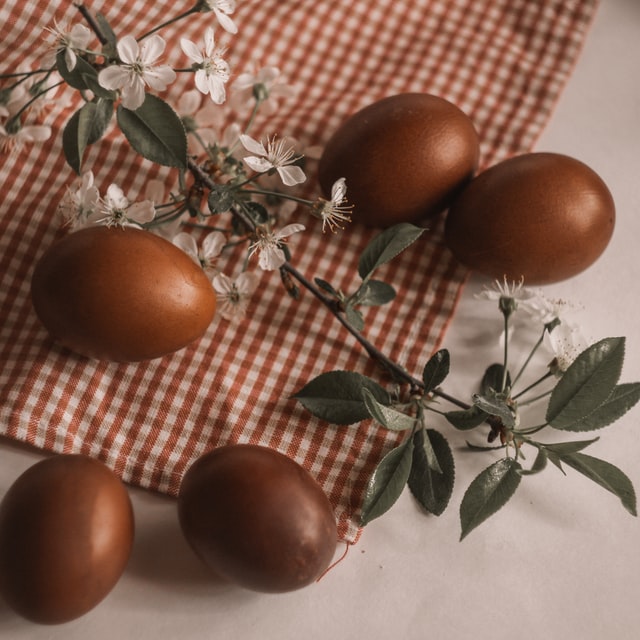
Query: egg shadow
pixel 161 555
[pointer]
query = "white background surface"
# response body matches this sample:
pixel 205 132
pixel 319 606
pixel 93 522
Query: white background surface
pixel 561 560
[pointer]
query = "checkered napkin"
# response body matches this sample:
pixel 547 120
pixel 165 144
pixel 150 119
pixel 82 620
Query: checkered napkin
pixel 503 62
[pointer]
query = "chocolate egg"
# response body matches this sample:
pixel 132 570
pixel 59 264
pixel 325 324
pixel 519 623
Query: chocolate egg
pixel 539 216
pixel 121 294
pixel 257 518
pixel 66 530
pixel 404 158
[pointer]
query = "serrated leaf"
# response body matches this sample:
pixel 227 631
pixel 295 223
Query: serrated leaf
pixel 76 77
pixel 587 383
pixel 374 293
pixel 326 287
pixel 606 475
pixel 106 30
pixel 387 482
pixel 492 379
pixel 336 396
pixel 220 199
pixel 622 399
pixel 436 370
pixel 354 317
pixel 388 417
pixel 488 493
pixel 86 126
pixel 495 405
pixel 430 487
pixel 466 419
pixel 539 464
pixel 386 246
pixel 155 131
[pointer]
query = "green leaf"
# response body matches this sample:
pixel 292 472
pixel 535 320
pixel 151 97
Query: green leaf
pixel 106 31
pixel 388 417
pixel 492 379
pixel 76 77
pixel 386 246
pixel 539 464
pixel 220 198
pixel 155 131
pixel 336 396
pixel 622 398
pixel 374 293
pixel 257 211
pixel 86 126
pixel 495 405
pixel 431 487
pixel 488 493
pixel 327 288
pixel 586 384
pixel 436 370
pixel 466 419
pixel 478 447
pixel 606 475
pixel 387 482
pixel 354 317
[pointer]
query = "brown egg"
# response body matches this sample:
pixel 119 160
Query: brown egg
pixel 66 530
pixel 404 158
pixel 539 216
pixel 121 294
pixel 257 518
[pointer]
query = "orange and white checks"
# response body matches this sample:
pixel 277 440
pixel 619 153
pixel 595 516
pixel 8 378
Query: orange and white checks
pixel 503 62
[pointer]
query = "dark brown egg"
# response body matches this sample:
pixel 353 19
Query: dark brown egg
pixel 121 294
pixel 66 530
pixel 404 158
pixel 257 518
pixel 539 216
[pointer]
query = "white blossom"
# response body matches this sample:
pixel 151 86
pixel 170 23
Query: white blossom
pixel 233 296
pixel 80 201
pixel 266 83
pixel 137 70
pixel 276 155
pixel 69 40
pixel 269 246
pixel 222 10
pixel 212 71
pixel 116 210
pixel 334 213
pixel 209 251
pixel 567 342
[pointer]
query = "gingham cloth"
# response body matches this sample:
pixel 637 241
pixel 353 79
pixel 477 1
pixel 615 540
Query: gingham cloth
pixel 504 62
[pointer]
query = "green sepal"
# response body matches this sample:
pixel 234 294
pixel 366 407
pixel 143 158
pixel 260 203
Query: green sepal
pixel 336 396
pixel 488 493
pixel 155 131
pixel 387 482
pixel 431 487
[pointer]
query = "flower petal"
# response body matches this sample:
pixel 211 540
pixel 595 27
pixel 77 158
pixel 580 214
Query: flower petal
pixel 288 230
pixel 113 77
pixel 191 50
pixel 223 284
pixel 291 175
pixel 187 243
pixel 141 212
pixel 213 244
pixel 128 49
pixel 258 164
pixel 226 22
pixel 253 146
pixel 152 49
pixel 133 94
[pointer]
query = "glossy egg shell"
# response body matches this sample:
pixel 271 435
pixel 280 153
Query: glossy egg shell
pixel 66 531
pixel 257 518
pixel 539 216
pixel 121 294
pixel 404 158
